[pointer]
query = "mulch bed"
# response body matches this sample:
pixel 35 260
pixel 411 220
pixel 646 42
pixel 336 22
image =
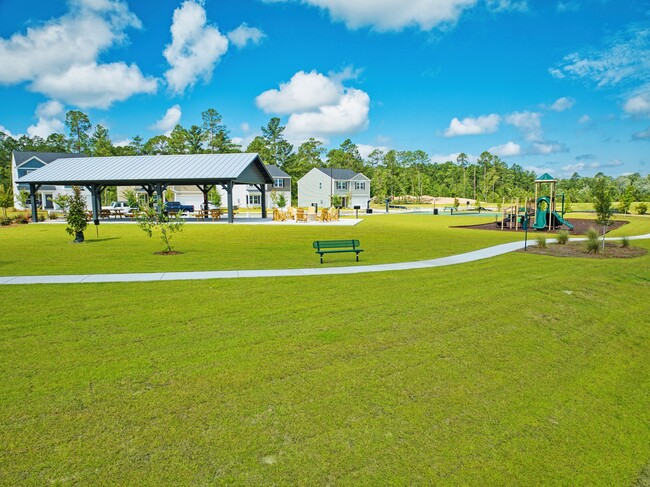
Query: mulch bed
pixel 580 227
pixel 578 249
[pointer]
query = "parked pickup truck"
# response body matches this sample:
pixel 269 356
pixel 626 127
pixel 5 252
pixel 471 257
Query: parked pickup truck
pixel 122 206
pixel 176 206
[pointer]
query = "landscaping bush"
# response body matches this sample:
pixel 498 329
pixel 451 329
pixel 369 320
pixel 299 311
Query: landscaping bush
pixel 592 244
pixel 5 220
pixel 22 218
pixel 562 237
pixel 641 208
pixel 625 242
pixel 541 241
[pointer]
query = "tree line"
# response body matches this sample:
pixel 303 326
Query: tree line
pixel 393 174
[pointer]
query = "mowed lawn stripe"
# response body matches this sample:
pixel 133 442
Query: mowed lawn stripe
pixel 521 369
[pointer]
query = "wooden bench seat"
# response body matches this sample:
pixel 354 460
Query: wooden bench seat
pixel 336 246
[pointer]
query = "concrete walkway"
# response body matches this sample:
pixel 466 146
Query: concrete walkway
pixel 321 271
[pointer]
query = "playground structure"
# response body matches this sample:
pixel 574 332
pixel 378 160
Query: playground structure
pixel 541 212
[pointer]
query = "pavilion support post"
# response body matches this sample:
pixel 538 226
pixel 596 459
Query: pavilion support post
pixel 159 192
pixel 262 189
pixel 231 211
pixel 95 202
pixel 150 190
pixel 32 192
pixel 205 190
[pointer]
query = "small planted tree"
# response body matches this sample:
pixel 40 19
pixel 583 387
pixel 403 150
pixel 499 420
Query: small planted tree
pixel 214 197
pixel 152 220
pixel 641 208
pixel 63 202
pixel 76 216
pixel 601 193
pixel 131 198
pixel 281 201
pixel 6 198
pixel 23 198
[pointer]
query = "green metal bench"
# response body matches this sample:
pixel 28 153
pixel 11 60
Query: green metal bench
pixel 336 246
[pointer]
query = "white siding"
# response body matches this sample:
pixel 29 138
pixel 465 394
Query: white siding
pixel 314 187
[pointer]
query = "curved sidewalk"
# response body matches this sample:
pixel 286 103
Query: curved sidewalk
pixel 202 275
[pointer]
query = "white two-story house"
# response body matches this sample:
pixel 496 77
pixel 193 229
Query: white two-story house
pixel 319 184
pixel 244 195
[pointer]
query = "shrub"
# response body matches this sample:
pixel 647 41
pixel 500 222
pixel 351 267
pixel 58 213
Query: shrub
pixel 562 237
pixel 641 208
pixel 593 245
pixel 22 218
pixel 5 220
pixel 77 215
pixel 625 242
pixel 541 241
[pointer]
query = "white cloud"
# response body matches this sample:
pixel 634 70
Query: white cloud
pixel 167 123
pixel 319 106
pixel 503 5
pixel 569 6
pixel 243 34
pixel 442 158
pixel 365 150
pixel 123 143
pixel 93 85
pixel 625 56
pixel 562 104
pixel 49 56
pixel 573 167
pixel 195 49
pixel 529 123
pixel 642 135
pixel 546 148
pixel 304 92
pixel 6 131
pixel 506 150
pixel 348 115
pixel 50 121
pixel 75 38
pixel 390 15
pixel 486 124
pixel 639 103
pixel 584 119
pixel 245 127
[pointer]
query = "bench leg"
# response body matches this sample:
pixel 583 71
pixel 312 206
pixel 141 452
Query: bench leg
pixel 357 256
pixel 321 258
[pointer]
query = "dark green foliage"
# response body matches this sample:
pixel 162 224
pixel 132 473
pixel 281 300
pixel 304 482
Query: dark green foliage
pixel 76 216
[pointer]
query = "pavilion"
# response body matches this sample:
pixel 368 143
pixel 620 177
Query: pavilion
pixel 153 174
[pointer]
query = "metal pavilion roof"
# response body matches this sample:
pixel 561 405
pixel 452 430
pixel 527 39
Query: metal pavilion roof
pixel 245 168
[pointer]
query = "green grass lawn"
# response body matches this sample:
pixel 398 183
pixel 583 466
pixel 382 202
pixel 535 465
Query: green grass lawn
pixel 518 370
pixel 47 249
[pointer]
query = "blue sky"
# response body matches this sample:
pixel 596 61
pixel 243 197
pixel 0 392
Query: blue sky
pixel 556 86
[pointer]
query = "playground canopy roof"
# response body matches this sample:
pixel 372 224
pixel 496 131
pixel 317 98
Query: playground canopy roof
pixel 186 169
pixel 546 178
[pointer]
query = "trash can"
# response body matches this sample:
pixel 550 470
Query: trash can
pixel 435 211
pixel 369 211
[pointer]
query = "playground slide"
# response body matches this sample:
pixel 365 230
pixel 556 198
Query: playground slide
pixel 562 220
pixel 540 219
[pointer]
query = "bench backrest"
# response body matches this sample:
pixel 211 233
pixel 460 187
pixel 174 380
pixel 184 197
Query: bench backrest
pixel 335 244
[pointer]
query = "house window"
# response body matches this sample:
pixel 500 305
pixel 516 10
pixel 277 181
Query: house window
pixel 360 185
pixel 278 183
pixel 342 185
pixel 320 185
pixel 254 199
